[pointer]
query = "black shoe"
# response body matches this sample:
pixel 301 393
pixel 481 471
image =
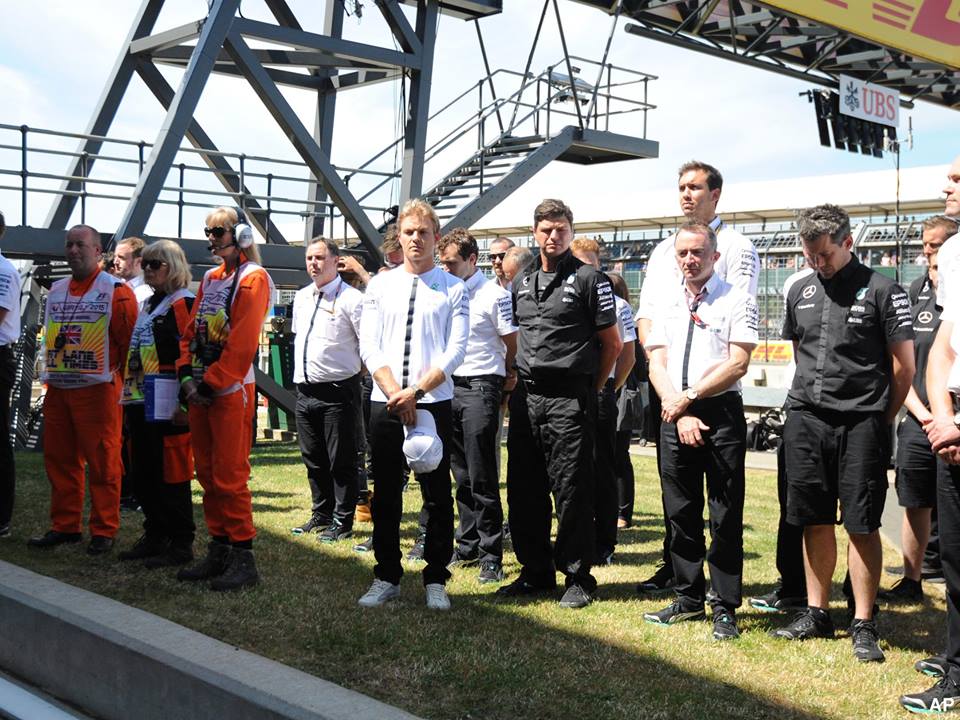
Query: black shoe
pixel 334 532
pixel 673 614
pixel 932 574
pixel 99 545
pixel 240 572
pixel 904 592
pixel 660 582
pixel 145 547
pixel 806 624
pixel 416 552
pixel 777 601
pixel 129 504
pixel 935 666
pixel 490 572
pixel 212 565
pixel 174 556
pixel 52 538
pixel 458 560
pixel 5 530
pixel 724 624
pixel 520 588
pixel 365 546
pixel 866 641
pixel 575 597
pixel 941 698
pixel 314 524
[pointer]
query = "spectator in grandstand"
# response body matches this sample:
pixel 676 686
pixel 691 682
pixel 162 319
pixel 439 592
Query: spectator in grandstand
pixel 916 462
pixel 567 346
pixel 215 369
pixel 487 370
pixel 515 262
pixel 943 389
pixel 606 496
pixel 886 260
pixel 790 592
pixel 853 336
pixel 498 249
pixel 700 347
pixel 9 335
pixel 413 334
pixel 89 319
pixel 326 323
pixel 699 186
pixel 162 462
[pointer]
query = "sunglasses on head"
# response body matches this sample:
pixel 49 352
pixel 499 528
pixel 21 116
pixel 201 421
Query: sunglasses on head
pixel 217 232
pixel 153 264
pixel 497 256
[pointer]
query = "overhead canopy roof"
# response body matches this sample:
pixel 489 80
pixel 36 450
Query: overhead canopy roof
pixel 912 46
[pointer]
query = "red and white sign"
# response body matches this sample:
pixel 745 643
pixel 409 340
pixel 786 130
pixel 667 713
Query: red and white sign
pixel 867 101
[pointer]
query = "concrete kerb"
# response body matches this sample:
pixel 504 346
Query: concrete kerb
pixel 116 661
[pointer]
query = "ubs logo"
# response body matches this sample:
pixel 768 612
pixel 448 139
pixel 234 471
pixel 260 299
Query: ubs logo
pixel 925 317
pixel 809 291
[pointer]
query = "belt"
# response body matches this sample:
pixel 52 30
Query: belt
pixel 316 387
pixel 571 387
pixel 466 381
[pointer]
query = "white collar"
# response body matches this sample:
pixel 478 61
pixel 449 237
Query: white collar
pixel 475 280
pixel 715 224
pixel 329 287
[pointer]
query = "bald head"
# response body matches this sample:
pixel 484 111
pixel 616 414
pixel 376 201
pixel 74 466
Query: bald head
pixel 82 251
pixel 952 191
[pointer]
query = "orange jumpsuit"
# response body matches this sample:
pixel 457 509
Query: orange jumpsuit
pixel 222 433
pixel 83 425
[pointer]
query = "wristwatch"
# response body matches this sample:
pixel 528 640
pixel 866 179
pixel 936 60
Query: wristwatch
pixel 417 392
pixel 691 393
pixel 956 420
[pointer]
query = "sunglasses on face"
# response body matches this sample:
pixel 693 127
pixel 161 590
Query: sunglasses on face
pixel 153 264
pixel 217 232
pixel 497 256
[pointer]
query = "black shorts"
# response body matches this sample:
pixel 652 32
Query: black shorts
pixel 916 466
pixel 833 457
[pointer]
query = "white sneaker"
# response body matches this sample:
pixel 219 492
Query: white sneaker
pixel 437 598
pixel 380 593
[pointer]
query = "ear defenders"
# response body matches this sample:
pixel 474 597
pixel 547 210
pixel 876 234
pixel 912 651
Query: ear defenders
pixel 242 232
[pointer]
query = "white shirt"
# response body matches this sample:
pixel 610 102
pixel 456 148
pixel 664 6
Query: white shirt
pixel 491 317
pixel 141 290
pixel 728 314
pixel 625 325
pixel 9 301
pixel 948 283
pixel 326 321
pixel 440 326
pixel 737 265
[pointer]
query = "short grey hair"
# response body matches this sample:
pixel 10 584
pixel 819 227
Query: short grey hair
pixel 697 228
pixel 813 223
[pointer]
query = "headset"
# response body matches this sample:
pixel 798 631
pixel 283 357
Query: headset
pixel 242 232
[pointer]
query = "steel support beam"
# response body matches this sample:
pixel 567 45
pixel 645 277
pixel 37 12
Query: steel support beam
pixel 228 177
pixel 180 57
pixel 317 160
pixel 167 39
pixel 418 109
pixel 178 119
pixel 399 25
pixel 106 110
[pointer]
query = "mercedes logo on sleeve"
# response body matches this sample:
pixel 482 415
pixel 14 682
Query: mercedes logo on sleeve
pixel 809 291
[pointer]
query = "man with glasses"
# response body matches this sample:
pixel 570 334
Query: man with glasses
pixel 498 248
pixel 326 322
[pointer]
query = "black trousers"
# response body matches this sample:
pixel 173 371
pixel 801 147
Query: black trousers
pixel 387 436
pixel 328 416
pixel 550 450
pixel 683 467
pixel 364 475
pixel 948 511
pixel 623 467
pixel 167 507
pixel 607 501
pixel 656 406
pixel 473 459
pixel 8 474
pixel 793 581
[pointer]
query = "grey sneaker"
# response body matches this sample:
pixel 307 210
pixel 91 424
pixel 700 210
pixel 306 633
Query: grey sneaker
pixel 380 593
pixel 575 597
pixel 866 641
pixel 490 572
pixel 437 598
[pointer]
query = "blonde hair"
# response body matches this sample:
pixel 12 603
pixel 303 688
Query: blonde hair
pixel 422 209
pixel 172 254
pixel 227 218
pixel 585 244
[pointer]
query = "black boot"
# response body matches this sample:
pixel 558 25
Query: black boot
pixel 213 565
pixel 178 553
pixel 241 571
pixel 145 547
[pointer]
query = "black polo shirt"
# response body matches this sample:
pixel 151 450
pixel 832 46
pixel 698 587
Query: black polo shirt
pixel 559 315
pixel 843 327
pixel 926 321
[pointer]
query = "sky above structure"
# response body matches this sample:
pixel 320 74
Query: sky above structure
pixel 56 55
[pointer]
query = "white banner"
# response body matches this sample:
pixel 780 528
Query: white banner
pixel 866 101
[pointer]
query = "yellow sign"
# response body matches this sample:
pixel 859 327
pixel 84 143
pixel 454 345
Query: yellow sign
pixel 773 351
pixel 924 28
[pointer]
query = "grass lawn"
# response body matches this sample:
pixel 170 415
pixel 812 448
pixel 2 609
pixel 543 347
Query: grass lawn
pixel 497 659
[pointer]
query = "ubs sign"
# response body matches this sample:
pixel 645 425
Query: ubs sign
pixel 866 101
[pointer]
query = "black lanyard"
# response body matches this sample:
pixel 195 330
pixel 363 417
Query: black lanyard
pixel 306 374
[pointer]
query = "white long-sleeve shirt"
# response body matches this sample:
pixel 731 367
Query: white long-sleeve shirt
pixel 439 327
